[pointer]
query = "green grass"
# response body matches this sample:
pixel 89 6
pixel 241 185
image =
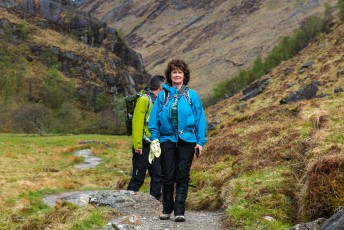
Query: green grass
pixel 257 195
pixel 32 167
pixel 94 219
pixel 35 199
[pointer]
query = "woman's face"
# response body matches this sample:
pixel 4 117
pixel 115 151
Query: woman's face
pixel 177 76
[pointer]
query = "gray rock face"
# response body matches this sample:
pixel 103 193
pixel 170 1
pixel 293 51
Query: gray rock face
pixel 76 66
pixel 8 4
pixel 62 16
pixel 87 29
pixel 254 89
pixel 307 92
pixel 314 225
pixel 336 222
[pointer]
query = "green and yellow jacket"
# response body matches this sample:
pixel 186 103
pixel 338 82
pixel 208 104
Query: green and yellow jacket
pixel 142 110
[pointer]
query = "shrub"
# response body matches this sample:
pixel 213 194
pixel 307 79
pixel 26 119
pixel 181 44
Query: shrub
pixel 12 72
pixel 49 59
pixel 119 110
pixel 54 96
pixel 67 119
pixel 341 9
pixel 103 101
pixel 22 31
pixel 312 26
pixel 57 89
pixel 325 187
pixel 328 18
pixel 32 118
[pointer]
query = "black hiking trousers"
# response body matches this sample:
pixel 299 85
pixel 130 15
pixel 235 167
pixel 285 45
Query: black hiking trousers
pixel 176 160
pixel 140 166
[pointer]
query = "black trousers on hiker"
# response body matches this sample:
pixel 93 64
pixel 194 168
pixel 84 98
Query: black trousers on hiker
pixel 176 160
pixel 140 166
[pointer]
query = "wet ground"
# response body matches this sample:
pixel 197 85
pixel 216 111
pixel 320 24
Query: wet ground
pixel 89 162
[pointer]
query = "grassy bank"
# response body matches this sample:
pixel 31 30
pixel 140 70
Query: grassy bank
pixel 34 166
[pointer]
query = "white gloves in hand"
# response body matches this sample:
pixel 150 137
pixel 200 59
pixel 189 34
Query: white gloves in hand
pixel 155 150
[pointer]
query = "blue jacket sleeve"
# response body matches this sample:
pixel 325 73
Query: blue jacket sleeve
pixel 200 119
pixel 153 123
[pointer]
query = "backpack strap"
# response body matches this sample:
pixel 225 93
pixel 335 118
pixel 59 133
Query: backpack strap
pixel 149 104
pixel 184 90
pixel 180 132
pixel 186 95
pixel 166 95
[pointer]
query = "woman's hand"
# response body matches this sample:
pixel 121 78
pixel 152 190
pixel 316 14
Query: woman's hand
pixel 200 149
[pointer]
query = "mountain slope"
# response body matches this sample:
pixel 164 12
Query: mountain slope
pixel 215 37
pixel 268 156
pixel 65 62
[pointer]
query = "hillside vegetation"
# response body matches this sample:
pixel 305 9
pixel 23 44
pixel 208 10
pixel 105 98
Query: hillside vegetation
pixel 217 38
pixel 268 156
pixel 272 160
pixel 53 81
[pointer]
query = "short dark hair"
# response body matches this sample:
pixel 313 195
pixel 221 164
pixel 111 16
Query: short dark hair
pixel 177 64
pixel 156 81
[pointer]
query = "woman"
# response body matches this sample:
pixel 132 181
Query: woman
pixel 177 123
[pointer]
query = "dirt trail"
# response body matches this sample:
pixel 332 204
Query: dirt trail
pixel 139 211
pixel 194 221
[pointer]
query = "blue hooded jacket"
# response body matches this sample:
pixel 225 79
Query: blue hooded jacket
pixel 189 117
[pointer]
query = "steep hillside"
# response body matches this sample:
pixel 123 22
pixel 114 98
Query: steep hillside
pixel 276 159
pixel 216 37
pixel 65 62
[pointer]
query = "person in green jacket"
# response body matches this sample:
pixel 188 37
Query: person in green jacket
pixel 141 141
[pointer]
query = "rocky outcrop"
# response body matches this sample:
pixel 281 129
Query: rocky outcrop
pixel 92 73
pixel 307 92
pixel 122 73
pixel 254 89
pixel 7 4
pixel 9 29
pixel 314 225
pixel 87 29
pixel 335 222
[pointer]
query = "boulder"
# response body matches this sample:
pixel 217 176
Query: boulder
pixel 254 89
pixel 314 225
pixel 336 222
pixel 306 92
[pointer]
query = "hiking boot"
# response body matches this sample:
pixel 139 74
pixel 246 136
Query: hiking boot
pixel 179 218
pixel 164 216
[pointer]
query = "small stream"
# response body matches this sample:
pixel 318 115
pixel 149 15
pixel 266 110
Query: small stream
pixel 89 162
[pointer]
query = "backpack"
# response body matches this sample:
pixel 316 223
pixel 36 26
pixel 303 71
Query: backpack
pixel 130 102
pixel 184 91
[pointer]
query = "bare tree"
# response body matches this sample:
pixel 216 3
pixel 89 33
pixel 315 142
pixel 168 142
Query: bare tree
pixel 32 118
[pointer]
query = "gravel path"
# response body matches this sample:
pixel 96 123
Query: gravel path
pixel 139 211
pixel 194 221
